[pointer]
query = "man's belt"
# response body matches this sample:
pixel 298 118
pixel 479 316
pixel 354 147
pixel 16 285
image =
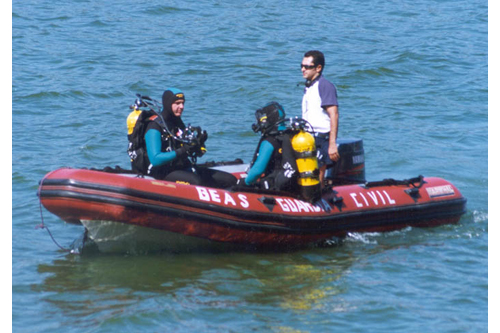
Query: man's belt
pixel 322 135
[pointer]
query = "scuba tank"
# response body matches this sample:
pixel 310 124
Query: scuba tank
pixel 136 125
pixel 304 147
pixel 133 116
pixel 132 120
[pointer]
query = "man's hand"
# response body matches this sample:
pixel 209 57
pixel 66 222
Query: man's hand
pixel 333 153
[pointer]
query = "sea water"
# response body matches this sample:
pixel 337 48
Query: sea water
pixel 412 80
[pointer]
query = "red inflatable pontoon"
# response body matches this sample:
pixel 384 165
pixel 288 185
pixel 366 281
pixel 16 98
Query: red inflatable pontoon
pixel 121 210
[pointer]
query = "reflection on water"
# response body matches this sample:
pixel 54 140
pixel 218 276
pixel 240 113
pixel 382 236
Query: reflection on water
pixel 168 291
pixel 105 288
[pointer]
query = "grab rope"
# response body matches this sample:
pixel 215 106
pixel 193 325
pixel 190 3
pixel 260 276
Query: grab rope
pixel 392 182
pixel 42 225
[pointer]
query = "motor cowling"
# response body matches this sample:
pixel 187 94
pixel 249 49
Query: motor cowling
pixel 350 168
pixel 304 148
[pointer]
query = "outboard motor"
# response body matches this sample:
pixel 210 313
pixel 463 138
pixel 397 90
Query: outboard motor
pixel 350 169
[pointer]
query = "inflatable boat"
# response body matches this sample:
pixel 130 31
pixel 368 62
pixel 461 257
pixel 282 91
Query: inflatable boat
pixel 121 210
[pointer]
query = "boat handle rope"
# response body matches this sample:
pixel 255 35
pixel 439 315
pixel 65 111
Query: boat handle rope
pixel 42 225
pixel 412 192
pixel 388 182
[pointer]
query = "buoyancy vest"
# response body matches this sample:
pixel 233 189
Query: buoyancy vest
pixel 281 171
pixel 138 123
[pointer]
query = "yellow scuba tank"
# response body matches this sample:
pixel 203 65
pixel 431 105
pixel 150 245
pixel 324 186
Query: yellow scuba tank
pixel 132 120
pixel 304 146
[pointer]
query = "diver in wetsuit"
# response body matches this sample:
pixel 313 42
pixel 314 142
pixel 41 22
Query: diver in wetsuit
pixel 167 157
pixel 273 166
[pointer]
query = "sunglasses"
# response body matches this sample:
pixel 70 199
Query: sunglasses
pixel 307 66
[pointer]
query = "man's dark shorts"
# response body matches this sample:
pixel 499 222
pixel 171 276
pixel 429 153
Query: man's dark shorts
pixel 322 144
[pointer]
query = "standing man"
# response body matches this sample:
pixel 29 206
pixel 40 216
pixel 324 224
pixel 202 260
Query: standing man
pixel 320 108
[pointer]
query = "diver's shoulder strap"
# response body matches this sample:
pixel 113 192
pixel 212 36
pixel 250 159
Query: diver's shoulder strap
pixel 274 140
pixel 159 120
pixel 288 154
